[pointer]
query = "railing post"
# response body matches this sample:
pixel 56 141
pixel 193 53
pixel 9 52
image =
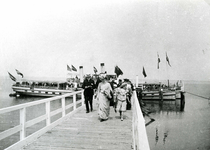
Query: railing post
pixel 83 99
pixel 74 102
pixel 47 108
pixel 22 123
pixel 137 81
pixel 63 106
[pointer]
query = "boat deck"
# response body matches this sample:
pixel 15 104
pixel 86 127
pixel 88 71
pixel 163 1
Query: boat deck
pixel 84 131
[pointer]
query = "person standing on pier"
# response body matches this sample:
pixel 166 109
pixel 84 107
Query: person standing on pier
pixel 103 95
pixel 88 86
pixel 129 93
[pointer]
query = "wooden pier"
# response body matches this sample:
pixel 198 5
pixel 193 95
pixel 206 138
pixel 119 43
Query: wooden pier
pixel 84 131
pixel 77 129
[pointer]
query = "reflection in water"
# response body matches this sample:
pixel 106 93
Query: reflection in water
pixel 164 109
pixel 164 106
pixel 165 136
pixel 160 107
pixel 156 136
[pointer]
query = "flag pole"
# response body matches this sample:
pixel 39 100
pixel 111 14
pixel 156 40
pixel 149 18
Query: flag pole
pixel 158 66
pixel 167 70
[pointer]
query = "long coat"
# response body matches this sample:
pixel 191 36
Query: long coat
pixel 88 91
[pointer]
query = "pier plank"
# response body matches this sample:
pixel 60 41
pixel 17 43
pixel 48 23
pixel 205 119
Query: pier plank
pixel 84 131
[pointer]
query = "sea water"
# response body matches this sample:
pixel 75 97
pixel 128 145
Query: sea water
pixel 173 129
pixel 176 129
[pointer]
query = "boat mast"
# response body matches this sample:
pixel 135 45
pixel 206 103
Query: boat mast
pixel 167 70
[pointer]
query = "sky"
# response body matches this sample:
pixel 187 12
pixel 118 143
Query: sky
pixel 39 38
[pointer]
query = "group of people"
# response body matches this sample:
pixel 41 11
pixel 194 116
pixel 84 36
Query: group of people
pixel 105 91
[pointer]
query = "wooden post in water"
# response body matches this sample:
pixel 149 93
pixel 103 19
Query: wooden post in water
pixel 182 101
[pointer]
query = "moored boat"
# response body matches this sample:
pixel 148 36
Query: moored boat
pixel 157 91
pixel 43 88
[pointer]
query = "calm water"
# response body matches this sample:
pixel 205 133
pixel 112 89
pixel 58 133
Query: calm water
pixel 181 130
pixel 172 129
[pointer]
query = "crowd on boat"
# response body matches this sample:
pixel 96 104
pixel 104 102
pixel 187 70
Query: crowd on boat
pixel 107 91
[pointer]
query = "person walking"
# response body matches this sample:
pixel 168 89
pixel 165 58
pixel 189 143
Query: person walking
pixel 103 95
pixel 88 86
pixel 120 98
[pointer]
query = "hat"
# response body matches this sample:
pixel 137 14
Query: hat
pixel 123 85
pixel 88 75
pixel 126 80
pixel 102 75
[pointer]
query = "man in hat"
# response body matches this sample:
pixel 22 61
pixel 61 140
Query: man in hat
pixel 88 86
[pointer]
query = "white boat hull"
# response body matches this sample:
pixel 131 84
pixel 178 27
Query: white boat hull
pixel 39 91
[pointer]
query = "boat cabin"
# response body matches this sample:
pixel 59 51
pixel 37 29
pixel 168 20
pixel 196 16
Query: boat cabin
pixel 60 85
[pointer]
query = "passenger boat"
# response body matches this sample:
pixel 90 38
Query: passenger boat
pixel 43 88
pixel 152 91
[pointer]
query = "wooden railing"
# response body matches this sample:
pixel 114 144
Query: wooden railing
pixel 24 140
pixel 140 140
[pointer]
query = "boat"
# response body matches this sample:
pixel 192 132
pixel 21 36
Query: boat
pixel 159 91
pixel 153 91
pixel 43 88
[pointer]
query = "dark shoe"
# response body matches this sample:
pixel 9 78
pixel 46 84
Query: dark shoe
pixel 91 109
pixel 87 111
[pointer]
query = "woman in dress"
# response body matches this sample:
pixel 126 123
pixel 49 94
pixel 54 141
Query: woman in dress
pixel 103 95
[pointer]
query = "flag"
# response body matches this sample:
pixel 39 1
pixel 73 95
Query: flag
pixel 118 71
pixel 158 61
pixel 68 68
pixel 95 70
pixel 144 72
pixel 73 68
pixel 18 72
pixel 167 59
pixel 12 77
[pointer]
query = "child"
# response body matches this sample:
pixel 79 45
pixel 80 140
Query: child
pixel 120 98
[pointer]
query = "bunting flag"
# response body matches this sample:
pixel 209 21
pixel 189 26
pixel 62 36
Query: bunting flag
pixel 95 70
pixel 118 71
pixel 158 61
pixel 68 68
pixel 73 68
pixel 12 77
pixel 144 72
pixel 18 72
pixel 167 59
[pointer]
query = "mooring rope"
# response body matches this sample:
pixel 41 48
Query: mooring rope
pixel 198 95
